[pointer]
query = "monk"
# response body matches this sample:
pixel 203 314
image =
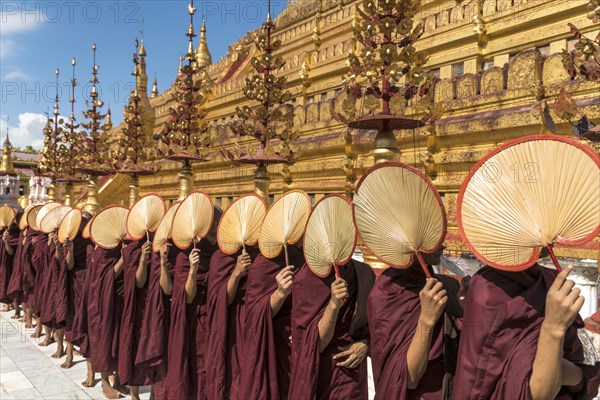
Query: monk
pixel 135 275
pixel 10 274
pixel 151 358
pixel 28 273
pixel 187 334
pixel 267 328
pixel 413 322
pixel 226 292
pixel 330 335
pixel 72 275
pixel 105 308
pixel 519 338
pixel 55 309
pixel 80 330
pixel 42 258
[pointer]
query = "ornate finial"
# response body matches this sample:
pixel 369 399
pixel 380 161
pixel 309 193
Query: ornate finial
pixel 154 92
pixel 73 84
pixel 203 56
pixel 190 56
pixel 56 97
pixel 269 11
pixel 180 65
pixel 108 121
pixel 7 167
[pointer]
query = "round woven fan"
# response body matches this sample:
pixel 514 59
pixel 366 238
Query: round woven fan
pixel 7 216
pixel 108 228
pixel 192 219
pixel 164 228
pixel 69 226
pixel 145 215
pixel 528 194
pixel 398 214
pixel 46 208
pixel 85 233
pixel 284 223
pixel 53 218
pixel 241 223
pixel 28 218
pixel 330 236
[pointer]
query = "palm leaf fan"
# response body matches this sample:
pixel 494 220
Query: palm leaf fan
pixel 7 216
pixel 70 226
pixel 529 194
pixel 192 219
pixel 53 218
pixel 330 236
pixel 399 214
pixel 46 208
pixel 241 223
pixel 164 228
pixel 28 218
pixel 284 224
pixel 23 220
pixel 85 233
pixel 109 228
pixel 145 215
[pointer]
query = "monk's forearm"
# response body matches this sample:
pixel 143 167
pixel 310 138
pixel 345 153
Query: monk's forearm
pixel 165 279
pixel 232 286
pixel 417 356
pixel 277 300
pixel 327 326
pixel 9 250
pixel 190 287
pixel 118 267
pixel 546 374
pixel 141 274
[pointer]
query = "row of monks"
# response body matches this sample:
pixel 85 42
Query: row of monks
pixel 198 317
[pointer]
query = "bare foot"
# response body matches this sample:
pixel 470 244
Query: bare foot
pixel 38 331
pixel 5 308
pixel 89 382
pixel 60 351
pixel 121 388
pixel 28 325
pixel 109 392
pixel 68 364
pixel 47 342
pixel 76 352
pixel 15 316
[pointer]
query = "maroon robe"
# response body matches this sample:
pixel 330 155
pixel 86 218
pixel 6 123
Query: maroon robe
pixel 10 274
pixel 504 312
pixel 393 311
pixel 184 371
pixel 39 260
pixel 151 355
pixel 80 334
pixel 134 307
pixel 267 347
pixel 225 341
pixel 52 309
pixel 28 270
pixel 75 278
pixel 105 308
pixel 315 375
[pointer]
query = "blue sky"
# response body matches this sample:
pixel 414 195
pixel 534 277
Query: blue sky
pixel 36 37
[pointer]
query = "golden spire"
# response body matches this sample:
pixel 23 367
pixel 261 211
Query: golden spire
pixel 108 120
pixel 203 56
pixel 154 88
pixel 7 167
pixel 180 65
pixel 141 77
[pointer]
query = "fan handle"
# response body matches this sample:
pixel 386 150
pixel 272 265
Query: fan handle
pixel 287 257
pixel 423 265
pixel 553 257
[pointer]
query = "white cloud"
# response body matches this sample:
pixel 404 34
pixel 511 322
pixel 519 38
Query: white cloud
pixel 29 131
pixel 14 21
pixel 17 74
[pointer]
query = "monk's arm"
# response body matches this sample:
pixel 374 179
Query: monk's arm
pixel 118 267
pixel 141 274
pixel 190 287
pixel 166 284
pixel 9 250
pixel 241 266
pixel 549 371
pixel 70 259
pixel 284 288
pixel 326 325
pixel 432 299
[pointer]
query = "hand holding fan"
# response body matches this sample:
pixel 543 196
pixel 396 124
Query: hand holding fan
pixel 164 228
pixel 70 226
pixel 284 224
pixel 241 223
pixel 527 195
pixel 398 214
pixel 144 216
pixel 108 228
pixel 7 216
pixel 330 236
pixel 192 220
pixel 53 218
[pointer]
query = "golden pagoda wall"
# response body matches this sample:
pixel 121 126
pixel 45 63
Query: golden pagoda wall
pixel 517 40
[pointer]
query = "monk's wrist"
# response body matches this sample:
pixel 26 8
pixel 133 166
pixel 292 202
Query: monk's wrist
pixel 426 323
pixel 552 331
